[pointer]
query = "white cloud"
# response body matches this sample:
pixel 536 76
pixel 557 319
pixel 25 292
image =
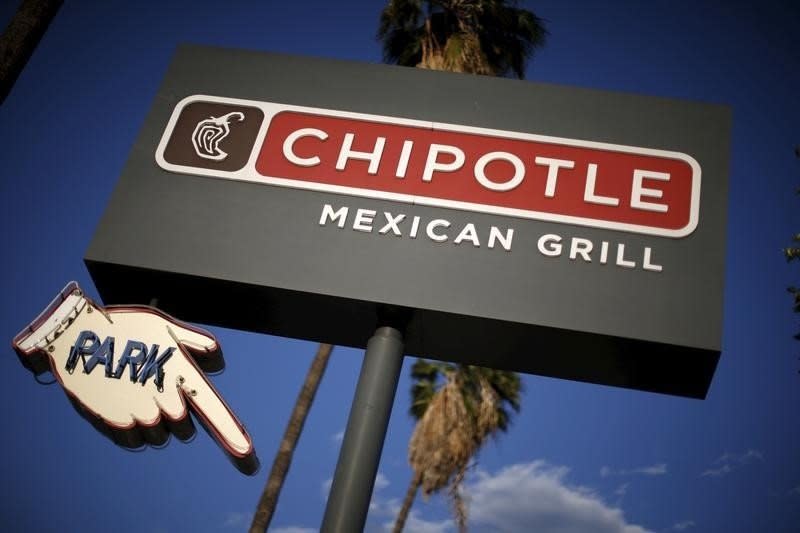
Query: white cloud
pixel 653 470
pixel 682 526
pixel 535 497
pixel 325 487
pixel 415 524
pixel 622 490
pixel 241 521
pixel 338 437
pixel 717 472
pixel 741 458
pixel 238 520
pixel 380 509
pixel 381 481
pixel 795 491
pixel 729 462
pixel 522 497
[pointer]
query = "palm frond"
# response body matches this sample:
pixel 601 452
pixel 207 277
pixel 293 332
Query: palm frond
pixel 427 375
pixel 400 29
pixel 509 36
pixel 442 441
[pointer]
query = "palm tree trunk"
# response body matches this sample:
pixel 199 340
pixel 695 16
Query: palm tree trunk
pixel 283 459
pixel 20 38
pixel 411 493
pixel 457 501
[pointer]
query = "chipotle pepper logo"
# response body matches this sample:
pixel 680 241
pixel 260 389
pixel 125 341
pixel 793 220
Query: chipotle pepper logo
pixel 519 174
pixel 210 132
pixel 213 135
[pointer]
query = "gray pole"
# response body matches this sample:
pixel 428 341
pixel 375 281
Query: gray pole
pixel 348 503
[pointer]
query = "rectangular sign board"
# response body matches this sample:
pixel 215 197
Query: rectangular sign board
pixel 553 230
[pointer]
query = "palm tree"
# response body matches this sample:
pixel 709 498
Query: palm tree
pixel 457 408
pixel 283 458
pixel 454 418
pixel 21 37
pixel 792 253
pixel 491 37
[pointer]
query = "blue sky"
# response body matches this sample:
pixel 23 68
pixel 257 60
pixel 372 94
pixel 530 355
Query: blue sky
pixel 578 457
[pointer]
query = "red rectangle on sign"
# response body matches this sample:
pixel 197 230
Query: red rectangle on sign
pixel 571 181
pixel 562 180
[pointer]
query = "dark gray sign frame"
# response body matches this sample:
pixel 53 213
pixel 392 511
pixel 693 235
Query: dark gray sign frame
pixel 254 257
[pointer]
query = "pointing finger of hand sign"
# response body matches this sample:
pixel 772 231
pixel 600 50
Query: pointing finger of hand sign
pixel 134 372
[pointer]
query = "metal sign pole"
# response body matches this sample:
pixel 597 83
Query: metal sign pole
pixel 348 502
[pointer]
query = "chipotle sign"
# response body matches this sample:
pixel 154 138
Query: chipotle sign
pixel 553 230
pixel 517 174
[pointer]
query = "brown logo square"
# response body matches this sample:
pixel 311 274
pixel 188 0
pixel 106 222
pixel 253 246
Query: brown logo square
pixel 214 136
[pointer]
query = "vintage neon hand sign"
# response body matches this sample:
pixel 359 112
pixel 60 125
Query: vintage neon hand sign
pixel 134 372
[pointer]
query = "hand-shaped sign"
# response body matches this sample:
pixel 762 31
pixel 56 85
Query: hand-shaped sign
pixel 133 372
